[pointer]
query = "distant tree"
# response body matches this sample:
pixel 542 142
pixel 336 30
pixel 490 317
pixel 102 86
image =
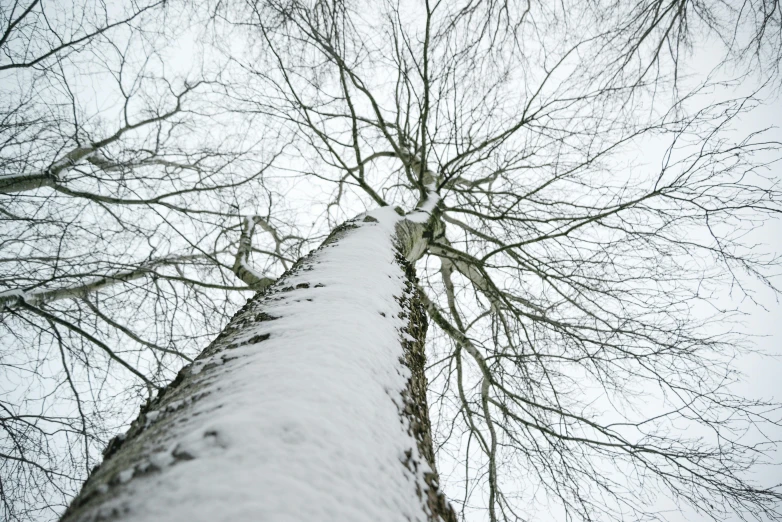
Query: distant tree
pixel 564 278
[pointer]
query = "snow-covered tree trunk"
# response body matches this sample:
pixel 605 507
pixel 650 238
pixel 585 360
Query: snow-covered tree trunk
pixel 310 405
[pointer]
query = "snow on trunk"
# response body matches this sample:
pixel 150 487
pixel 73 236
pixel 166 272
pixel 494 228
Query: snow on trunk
pixel 309 406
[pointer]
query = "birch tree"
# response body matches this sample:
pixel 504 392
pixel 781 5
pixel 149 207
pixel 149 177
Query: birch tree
pixel 473 166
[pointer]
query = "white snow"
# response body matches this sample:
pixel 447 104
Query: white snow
pixel 304 425
pixel 126 475
pixel 152 416
pixel 424 211
pixel 13 292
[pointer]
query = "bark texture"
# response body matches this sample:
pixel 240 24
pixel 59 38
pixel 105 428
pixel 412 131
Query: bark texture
pixel 415 406
pixel 152 443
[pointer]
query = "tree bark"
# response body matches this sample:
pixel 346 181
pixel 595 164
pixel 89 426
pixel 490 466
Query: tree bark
pixel 310 405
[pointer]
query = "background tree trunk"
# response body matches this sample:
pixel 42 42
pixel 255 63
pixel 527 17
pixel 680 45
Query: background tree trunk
pixel 310 405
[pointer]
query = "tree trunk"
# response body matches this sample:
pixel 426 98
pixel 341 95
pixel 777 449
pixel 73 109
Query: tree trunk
pixel 310 405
